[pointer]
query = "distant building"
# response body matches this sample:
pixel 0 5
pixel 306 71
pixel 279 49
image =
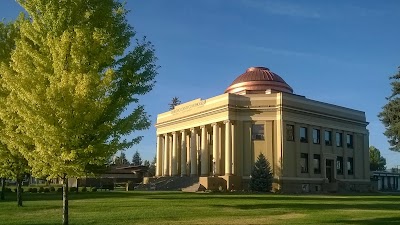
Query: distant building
pixel 311 145
pixel 114 174
pixel 386 181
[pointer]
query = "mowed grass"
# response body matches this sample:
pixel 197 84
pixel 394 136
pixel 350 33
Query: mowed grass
pixel 124 208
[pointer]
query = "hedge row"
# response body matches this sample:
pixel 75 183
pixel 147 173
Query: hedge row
pixel 49 189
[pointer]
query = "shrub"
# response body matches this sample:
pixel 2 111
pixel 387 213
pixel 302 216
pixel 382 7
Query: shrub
pixel 84 189
pixel 30 189
pixel 46 190
pixel 52 189
pixel 41 189
pixel 15 190
pixel 72 189
pixel 261 176
pixel 93 189
pixel 34 190
pixel 7 189
pixel 60 189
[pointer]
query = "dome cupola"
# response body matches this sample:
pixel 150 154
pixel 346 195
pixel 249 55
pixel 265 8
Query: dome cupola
pixel 258 80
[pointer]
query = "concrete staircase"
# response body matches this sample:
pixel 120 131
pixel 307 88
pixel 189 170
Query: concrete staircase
pixel 194 188
pixel 169 184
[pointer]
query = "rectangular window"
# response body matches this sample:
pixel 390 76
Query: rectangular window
pixel 304 162
pixel 317 164
pixel 303 134
pixel 257 132
pixel 328 137
pixel 349 141
pixel 339 139
pixel 350 166
pixel 289 132
pixel 339 165
pixel 316 136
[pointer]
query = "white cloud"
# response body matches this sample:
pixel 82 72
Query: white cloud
pixel 314 11
pixel 280 51
pixel 283 8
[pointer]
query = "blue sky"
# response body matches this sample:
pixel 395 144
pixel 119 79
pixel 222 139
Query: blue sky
pixel 339 52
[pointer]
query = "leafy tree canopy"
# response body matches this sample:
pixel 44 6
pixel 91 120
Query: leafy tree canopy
pixel 377 162
pixel 13 164
pixel 390 115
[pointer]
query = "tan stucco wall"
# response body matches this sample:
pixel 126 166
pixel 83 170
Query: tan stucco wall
pixel 274 111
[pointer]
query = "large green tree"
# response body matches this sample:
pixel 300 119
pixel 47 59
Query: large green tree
pixel 390 115
pixel 74 81
pixel 13 165
pixel 376 161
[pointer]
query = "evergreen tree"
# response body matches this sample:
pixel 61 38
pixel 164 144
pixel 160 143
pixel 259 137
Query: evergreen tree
pixel 146 163
pixel 136 159
pixel 121 160
pixel 376 161
pixel 390 115
pixel 174 102
pixel 69 81
pixel 152 167
pixel 261 175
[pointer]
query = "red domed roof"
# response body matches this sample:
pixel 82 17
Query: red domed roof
pixel 258 80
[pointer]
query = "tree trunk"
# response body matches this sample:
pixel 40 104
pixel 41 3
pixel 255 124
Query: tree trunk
pixel 3 188
pixel 65 200
pixel 19 192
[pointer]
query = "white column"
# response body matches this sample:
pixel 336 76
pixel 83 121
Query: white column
pixel 174 162
pixel 233 148
pixel 215 149
pixel 204 152
pixel 170 155
pixel 193 153
pixel 166 155
pixel 228 148
pixel 159 156
pixel 183 153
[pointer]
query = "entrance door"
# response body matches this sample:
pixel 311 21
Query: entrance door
pixel 329 170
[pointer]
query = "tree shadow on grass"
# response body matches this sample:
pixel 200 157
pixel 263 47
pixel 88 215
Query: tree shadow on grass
pixel 373 221
pixel 159 195
pixel 312 206
pixel 278 197
pixel 10 197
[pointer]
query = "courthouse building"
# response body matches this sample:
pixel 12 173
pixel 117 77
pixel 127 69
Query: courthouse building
pixel 311 146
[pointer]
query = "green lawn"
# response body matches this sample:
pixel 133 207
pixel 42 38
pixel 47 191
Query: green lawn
pixel 123 208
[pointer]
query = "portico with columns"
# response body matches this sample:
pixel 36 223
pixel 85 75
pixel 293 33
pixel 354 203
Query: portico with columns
pixel 196 151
